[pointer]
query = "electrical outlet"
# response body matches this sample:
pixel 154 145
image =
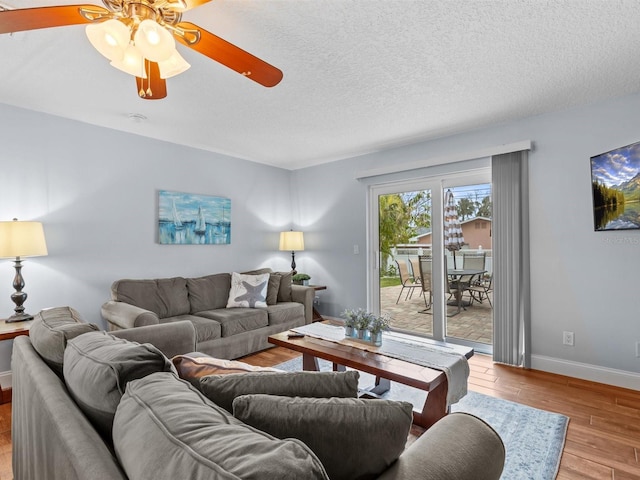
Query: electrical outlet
pixel 567 338
pixel 637 349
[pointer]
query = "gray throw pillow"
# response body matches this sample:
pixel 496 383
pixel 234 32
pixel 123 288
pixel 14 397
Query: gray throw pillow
pixel 273 288
pixel 97 368
pixel 166 429
pixel 284 292
pixel 223 389
pixel 352 437
pixel 50 331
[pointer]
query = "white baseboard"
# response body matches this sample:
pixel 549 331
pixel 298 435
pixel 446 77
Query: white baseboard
pixel 5 379
pixel 585 371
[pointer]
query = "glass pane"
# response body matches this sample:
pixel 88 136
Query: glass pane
pixel 405 234
pixel 467 246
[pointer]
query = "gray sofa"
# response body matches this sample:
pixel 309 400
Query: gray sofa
pixel 221 332
pixel 58 432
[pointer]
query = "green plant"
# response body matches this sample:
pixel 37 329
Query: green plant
pixel 359 318
pixel 299 277
pixel 379 324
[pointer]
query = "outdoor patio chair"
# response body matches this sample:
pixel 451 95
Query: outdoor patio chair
pixel 425 267
pixel 415 269
pixel 480 290
pixel 407 280
pixel 472 261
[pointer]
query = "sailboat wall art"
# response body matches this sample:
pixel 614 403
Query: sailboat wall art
pixel 192 219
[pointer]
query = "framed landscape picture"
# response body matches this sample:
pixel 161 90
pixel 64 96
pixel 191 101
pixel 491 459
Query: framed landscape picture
pixel 615 183
pixel 191 219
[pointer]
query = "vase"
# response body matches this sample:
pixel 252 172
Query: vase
pixel 348 331
pixel 376 338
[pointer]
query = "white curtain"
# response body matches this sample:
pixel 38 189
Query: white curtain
pixel 510 243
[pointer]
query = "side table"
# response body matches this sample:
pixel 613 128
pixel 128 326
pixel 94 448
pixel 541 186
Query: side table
pixel 9 331
pixel 316 315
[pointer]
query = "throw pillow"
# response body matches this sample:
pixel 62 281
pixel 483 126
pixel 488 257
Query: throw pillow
pixel 284 292
pixel 97 368
pixel 166 429
pixel 248 290
pixel 50 331
pixel 353 438
pixel 273 288
pixel 192 366
pixel 223 389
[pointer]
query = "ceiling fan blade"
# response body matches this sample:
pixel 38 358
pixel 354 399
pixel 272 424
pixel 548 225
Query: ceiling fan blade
pixel 46 17
pixel 153 87
pixel 227 54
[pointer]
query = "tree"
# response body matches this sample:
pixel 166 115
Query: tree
pixel 484 208
pixel 393 222
pixel 465 208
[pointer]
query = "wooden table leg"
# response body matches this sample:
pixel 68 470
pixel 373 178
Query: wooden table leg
pixel 435 407
pixel 310 363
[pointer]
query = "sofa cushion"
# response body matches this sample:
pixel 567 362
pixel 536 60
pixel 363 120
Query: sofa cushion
pixel 237 320
pixel 97 368
pixel 165 429
pixel 285 312
pixel 353 438
pixel 166 297
pixel 223 389
pixel 209 293
pixel 248 291
pixel 284 292
pixel 192 366
pixel 50 331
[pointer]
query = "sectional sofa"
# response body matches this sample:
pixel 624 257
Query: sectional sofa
pixel 220 331
pixel 91 405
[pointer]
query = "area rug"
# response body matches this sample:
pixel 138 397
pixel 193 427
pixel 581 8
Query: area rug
pixel 533 438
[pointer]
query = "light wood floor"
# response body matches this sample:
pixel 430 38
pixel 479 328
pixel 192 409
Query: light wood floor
pixel 603 439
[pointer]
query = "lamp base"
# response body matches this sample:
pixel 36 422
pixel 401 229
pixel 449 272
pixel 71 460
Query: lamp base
pixel 19 318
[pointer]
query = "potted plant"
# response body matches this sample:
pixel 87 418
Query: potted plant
pixel 377 325
pixel 350 321
pixel 301 279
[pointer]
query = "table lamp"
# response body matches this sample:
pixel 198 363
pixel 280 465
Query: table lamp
pixel 21 239
pixel 293 241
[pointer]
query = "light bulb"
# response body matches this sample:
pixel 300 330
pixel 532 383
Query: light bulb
pixel 173 66
pixel 154 41
pixel 110 38
pixel 132 62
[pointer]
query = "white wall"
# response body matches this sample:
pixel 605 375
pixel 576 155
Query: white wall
pixel 582 281
pixel 95 190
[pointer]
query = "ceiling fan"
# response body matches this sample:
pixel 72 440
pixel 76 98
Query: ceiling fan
pixel 138 37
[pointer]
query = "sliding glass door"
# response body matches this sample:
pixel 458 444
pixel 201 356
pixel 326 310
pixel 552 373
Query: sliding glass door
pixel 414 276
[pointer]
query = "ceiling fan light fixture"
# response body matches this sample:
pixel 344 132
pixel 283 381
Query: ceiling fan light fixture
pixel 132 62
pixel 110 38
pixel 154 41
pixel 175 65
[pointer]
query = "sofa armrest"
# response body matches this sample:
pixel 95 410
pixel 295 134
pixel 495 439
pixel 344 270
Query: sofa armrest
pixel 123 315
pixel 174 338
pixel 305 296
pixel 459 446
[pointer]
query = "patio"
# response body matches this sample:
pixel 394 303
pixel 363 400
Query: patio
pixel 474 323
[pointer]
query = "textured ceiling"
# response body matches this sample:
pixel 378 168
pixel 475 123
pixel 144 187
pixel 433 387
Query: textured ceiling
pixel 359 75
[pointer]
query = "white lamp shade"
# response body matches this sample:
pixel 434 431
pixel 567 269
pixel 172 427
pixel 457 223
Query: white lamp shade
pixel 110 38
pixel 173 66
pixel 22 239
pixel 291 241
pixel 154 41
pixel 132 62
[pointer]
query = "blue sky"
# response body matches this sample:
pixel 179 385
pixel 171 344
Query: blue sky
pixel 617 166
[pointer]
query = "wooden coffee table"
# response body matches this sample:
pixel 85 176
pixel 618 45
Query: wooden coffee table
pixel 345 354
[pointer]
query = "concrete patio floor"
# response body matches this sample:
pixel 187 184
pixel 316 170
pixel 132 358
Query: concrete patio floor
pixel 474 324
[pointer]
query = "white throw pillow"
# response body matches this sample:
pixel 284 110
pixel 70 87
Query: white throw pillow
pixel 248 291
